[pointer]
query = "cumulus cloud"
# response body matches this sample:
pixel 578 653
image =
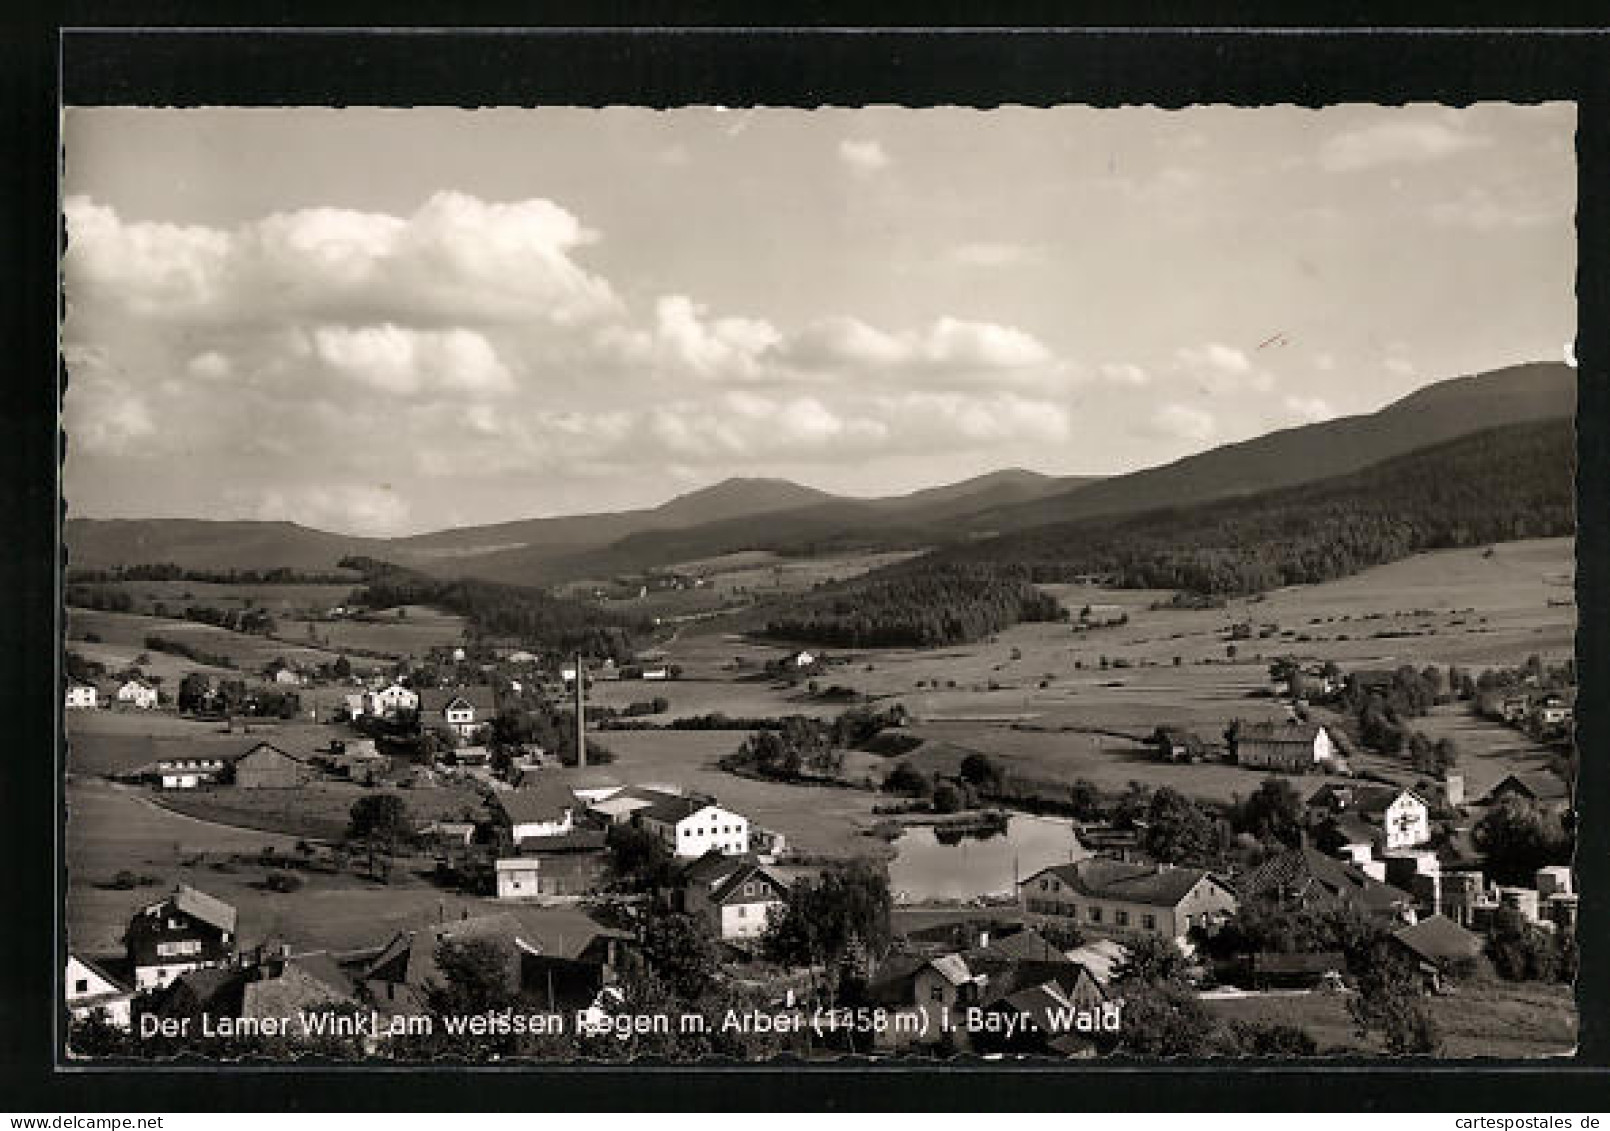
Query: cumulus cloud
pixel 491 356
pixel 1395 142
pixel 361 510
pixel 1123 373
pixel 1309 410
pixel 1220 369
pixel 1183 422
pixel 456 261
pixel 397 360
pixel 863 157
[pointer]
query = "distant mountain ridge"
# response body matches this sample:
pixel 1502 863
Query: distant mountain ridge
pixel 750 513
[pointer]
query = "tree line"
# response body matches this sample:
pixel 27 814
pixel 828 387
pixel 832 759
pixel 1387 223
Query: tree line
pixel 916 607
pixel 497 609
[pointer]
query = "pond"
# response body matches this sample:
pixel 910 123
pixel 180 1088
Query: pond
pixel 933 865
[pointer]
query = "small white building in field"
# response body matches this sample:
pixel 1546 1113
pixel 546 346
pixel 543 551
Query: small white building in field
pixel 89 988
pixel 82 696
pixel 137 693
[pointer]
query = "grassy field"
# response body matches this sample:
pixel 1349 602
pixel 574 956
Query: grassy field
pixel 414 634
pixel 817 819
pixel 126 633
pixel 689 697
pixel 1501 1020
pixel 763 573
pixel 111 829
pixel 280 600
pixel 111 742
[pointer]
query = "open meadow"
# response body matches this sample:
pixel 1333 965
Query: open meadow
pixel 1493 1019
pixel 126 633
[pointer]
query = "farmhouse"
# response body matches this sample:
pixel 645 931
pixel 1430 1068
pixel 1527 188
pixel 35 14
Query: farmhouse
pixel 399 979
pixel 1292 747
pixel 461 710
pixel 188 930
pixel 90 988
pixel 187 772
pixel 1115 898
pixel 561 867
pixel 137 693
pixel 266 766
pixel 733 894
pixel 1552 711
pixel 392 700
pixel 1544 788
pixel 545 809
pixel 691 826
pixel 81 696
pixel 1401 815
pixel 290 984
pixel 1435 944
pixel 1307 879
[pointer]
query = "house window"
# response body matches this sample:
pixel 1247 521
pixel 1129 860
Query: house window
pixel 1045 885
pixel 1149 922
pixel 937 994
pixel 1121 918
pixel 81 986
pixel 1095 914
pixel 743 912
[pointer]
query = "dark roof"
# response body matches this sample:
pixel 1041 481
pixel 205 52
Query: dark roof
pixel 1354 830
pixel 210 989
pixel 1534 784
pixel 1439 939
pixel 305 981
pixel 669 808
pixel 268 748
pixel 1306 873
pixel 749 872
pixel 410 957
pixel 542 802
pixel 577 840
pixel 1152 884
pixel 199 905
pixel 1025 944
pixel 713 868
pixel 478 696
pixel 1291 731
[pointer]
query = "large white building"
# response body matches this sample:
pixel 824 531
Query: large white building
pixel 138 693
pixel 391 700
pixel 692 826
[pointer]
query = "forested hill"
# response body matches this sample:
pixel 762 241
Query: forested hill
pixel 532 616
pixel 1498 485
pixel 1494 486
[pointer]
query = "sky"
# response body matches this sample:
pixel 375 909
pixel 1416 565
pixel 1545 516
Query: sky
pixel 392 321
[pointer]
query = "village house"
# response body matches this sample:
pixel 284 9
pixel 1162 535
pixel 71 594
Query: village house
pixel 1018 973
pixel 735 895
pixel 544 809
pixel 400 977
pixel 462 711
pixel 1304 878
pixel 91 989
pixel 266 766
pixel 1552 712
pixel 287 984
pixel 1291 747
pixel 1437 945
pixel 82 696
pixel 188 771
pixel 391 701
pixel 1401 816
pixel 1547 789
pixel 137 693
pixel 1176 745
pixel 561 867
pixel 186 931
pixel 691 826
pixel 1114 898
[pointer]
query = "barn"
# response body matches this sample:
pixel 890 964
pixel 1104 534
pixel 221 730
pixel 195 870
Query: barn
pixel 266 766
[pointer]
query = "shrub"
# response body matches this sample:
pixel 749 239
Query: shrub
pixel 284 882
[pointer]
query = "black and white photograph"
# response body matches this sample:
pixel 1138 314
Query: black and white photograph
pixel 1048 584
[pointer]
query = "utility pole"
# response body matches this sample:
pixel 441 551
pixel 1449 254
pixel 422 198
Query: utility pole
pixel 581 713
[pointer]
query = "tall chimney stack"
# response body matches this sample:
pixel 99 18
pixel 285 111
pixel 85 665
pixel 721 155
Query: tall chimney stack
pixel 581 713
